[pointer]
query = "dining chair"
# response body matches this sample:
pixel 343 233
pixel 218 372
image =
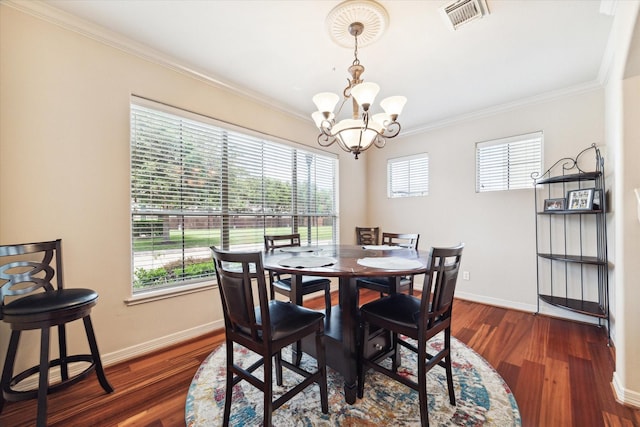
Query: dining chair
pixel 32 297
pixel 381 284
pixel 418 319
pixel 282 283
pixel 264 329
pixel 367 235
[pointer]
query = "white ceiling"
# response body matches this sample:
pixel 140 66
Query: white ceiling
pixel 280 51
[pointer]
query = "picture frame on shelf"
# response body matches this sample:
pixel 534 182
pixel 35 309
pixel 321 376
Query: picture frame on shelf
pixel 580 200
pixel 554 204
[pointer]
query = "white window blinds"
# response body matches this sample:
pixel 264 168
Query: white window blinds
pixel 196 183
pixel 408 176
pixel 507 163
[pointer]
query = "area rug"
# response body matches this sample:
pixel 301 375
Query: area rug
pixel 482 396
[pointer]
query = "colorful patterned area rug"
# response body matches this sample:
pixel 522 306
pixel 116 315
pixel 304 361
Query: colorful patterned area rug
pixel 482 396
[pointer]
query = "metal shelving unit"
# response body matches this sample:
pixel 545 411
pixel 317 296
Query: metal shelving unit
pixel 571 243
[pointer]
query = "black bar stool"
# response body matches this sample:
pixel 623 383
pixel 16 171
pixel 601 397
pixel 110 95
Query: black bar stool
pixel 35 300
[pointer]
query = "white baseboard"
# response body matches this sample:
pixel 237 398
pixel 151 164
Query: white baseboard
pixel 546 309
pixel 625 396
pixel 496 302
pixel 159 343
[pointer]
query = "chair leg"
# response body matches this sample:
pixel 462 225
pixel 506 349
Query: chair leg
pixel 422 383
pixel 62 346
pixel 396 358
pixel 268 391
pixel 278 357
pixel 327 300
pixel 229 388
pixel 322 368
pixel 7 371
pixel 297 353
pixel 93 345
pixel 447 364
pixel 43 380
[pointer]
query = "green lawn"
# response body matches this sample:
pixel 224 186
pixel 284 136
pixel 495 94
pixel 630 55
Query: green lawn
pixel 211 237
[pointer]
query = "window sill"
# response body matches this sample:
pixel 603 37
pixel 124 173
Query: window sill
pixel 160 294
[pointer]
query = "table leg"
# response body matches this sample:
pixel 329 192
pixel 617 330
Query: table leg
pixel 350 325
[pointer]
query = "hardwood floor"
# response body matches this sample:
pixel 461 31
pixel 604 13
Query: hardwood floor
pixel 559 371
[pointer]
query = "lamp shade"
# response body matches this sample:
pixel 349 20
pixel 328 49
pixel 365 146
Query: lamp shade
pixel 393 105
pixel 381 118
pixel 318 118
pixel 326 102
pixel 365 93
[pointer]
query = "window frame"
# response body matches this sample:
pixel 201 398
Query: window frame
pixel 302 217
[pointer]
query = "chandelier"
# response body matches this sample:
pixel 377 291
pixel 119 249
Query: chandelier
pixel 363 129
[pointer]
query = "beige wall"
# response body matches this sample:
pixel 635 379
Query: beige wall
pixel 64 170
pixel 498 228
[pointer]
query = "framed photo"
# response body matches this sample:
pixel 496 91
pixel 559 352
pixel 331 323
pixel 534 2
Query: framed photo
pixel 554 204
pixel 580 200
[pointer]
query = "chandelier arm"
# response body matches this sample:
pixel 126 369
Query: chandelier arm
pixel 391 130
pixel 325 140
pixel 346 97
pixel 379 141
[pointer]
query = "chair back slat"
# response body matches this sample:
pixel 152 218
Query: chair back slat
pixel 440 284
pixel 27 268
pixel 238 274
pixel 367 235
pixel 407 240
pixel 275 241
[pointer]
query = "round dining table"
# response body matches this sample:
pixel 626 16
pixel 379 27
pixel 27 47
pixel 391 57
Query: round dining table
pixel 347 263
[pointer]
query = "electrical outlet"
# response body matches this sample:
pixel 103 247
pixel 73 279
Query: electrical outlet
pixel 465 275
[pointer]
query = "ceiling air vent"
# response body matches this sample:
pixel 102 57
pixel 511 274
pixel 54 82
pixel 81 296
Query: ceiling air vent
pixel 462 11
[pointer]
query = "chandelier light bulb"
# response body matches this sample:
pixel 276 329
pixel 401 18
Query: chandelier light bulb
pixel 365 93
pixel 382 119
pixel 319 117
pixel 393 105
pixel 326 102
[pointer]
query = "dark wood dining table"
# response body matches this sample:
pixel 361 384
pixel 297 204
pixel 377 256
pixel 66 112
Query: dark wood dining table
pixel 341 325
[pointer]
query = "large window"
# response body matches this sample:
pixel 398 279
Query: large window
pixel 196 183
pixel 408 176
pixel 507 163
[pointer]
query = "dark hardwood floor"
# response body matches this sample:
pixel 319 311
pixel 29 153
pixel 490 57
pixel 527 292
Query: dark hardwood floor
pixel 559 371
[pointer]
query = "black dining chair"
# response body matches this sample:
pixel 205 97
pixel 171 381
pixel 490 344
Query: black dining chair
pixel 32 297
pixel 264 329
pixel 419 319
pixel 381 284
pixel 367 235
pixel 281 283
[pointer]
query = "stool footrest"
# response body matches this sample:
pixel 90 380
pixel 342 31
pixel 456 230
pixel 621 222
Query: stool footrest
pixel 12 395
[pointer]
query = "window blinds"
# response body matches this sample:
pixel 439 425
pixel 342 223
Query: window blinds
pixel 195 184
pixel 507 163
pixel 408 176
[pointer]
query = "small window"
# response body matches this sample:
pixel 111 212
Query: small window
pixel 507 163
pixel 408 176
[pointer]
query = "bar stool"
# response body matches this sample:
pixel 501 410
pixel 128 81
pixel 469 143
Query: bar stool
pixel 30 298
